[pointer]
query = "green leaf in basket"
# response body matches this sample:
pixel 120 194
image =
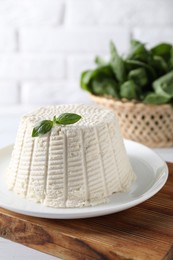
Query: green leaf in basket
pixel 163 50
pixel 100 61
pixel 139 76
pixel 128 90
pixel 105 87
pixel 157 99
pixel 164 85
pixel 171 59
pixel 103 74
pixel 144 73
pixel 134 64
pixel 117 64
pixel 85 80
pixel 160 65
pixel 138 51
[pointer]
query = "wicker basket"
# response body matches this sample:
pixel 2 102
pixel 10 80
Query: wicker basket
pixel 151 125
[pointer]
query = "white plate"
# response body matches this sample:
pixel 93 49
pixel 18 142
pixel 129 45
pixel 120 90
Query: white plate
pixel 150 169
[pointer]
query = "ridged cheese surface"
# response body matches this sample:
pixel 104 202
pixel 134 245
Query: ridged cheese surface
pixel 71 166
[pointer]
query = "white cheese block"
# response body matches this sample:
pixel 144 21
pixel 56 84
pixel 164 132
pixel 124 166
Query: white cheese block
pixel 71 166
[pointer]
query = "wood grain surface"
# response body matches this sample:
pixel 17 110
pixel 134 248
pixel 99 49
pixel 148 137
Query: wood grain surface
pixel 143 232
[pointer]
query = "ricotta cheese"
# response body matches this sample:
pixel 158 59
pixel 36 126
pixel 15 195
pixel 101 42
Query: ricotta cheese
pixel 73 165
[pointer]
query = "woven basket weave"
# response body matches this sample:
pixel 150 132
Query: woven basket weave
pixel 151 125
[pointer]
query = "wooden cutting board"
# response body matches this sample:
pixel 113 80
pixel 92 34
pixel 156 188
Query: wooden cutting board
pixel 141 233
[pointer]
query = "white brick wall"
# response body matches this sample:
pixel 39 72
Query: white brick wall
pixel 17 13
pixel 119 12
pixel 22 66
pixel 8 39
pixel 78 40
pixel 9 92
pixel 52 92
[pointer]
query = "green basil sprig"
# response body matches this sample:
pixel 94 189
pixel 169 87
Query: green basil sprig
pixel 42 128
pixel 67 119
pixel 45 126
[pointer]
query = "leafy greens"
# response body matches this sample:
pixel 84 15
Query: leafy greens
pixel 145 75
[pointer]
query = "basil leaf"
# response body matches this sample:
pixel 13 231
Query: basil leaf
pixel 87 77
pixel 164 84
pixel 138 51
pixel 139 76
pixel 134 64
pixel 67 119
pixel 154 98
pixel 163 50
pixel 103 71
pixel 105 86
pixel 42 128
pixel 100 61
pixel 117 64
pixel 160 65
pixel 171 58
pixel 85 80
pixel 128 90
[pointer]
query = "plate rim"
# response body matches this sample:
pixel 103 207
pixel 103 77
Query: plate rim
pixel 98 210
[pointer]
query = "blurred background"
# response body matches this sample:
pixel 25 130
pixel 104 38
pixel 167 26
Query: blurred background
pixel 46 44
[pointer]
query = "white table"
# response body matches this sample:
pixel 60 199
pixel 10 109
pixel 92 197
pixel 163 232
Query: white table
pixel 8 128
